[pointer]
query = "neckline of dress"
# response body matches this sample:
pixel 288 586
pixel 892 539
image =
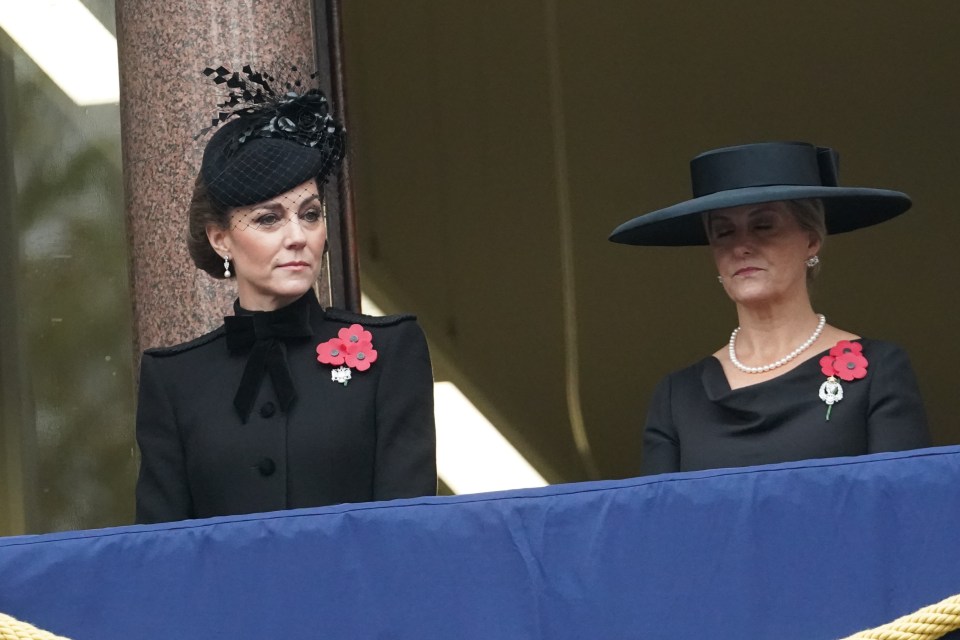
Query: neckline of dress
pixel 727 389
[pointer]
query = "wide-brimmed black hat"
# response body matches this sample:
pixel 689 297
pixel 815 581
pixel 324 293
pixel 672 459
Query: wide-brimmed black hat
pixel 276 136
pixel 762 172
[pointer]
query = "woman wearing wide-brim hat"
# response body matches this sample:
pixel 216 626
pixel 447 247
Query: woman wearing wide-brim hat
pixel 787 385
pixel 286 404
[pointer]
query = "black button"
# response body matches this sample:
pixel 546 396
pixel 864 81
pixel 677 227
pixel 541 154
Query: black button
pixel 267 410
pixel 266 467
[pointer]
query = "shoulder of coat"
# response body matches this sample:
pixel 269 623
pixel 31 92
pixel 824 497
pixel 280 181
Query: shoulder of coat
pixel 187 346
pixel 349 317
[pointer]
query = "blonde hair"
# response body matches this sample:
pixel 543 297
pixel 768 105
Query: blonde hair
pixel 810 214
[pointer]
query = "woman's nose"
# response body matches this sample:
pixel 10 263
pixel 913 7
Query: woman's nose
pixel 742 243
pixel 295 236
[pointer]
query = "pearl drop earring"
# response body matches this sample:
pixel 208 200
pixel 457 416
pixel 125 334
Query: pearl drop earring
pixel 226 266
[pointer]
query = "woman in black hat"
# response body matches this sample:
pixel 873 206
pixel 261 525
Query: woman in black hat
pixel 787 386
pixel 287 404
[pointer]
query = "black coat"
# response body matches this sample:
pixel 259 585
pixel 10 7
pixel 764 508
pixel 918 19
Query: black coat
pixel 372 439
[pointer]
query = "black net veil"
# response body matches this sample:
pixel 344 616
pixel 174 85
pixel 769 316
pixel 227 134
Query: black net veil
pixel 274 146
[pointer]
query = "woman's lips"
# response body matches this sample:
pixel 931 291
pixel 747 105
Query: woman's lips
pixel 294 265
pixel 746 271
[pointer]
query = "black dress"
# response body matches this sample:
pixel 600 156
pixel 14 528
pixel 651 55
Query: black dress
pixel 213 442
pixel 696 421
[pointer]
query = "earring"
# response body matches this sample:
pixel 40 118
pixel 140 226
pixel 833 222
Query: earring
pixel 812 261
pixel 720 279
pixel 226 266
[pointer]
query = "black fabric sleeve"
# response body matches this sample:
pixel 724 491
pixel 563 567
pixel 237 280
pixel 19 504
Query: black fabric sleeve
pixel 661 446
pixel 162 491
pixel 405 465
pixel 896 418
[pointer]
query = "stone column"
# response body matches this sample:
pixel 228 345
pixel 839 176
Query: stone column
pixel 165 101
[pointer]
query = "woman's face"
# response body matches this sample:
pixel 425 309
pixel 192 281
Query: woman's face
pixel 760 250
pixel 275 247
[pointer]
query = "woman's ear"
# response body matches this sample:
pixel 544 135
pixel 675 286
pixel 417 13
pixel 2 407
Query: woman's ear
pixel 218 238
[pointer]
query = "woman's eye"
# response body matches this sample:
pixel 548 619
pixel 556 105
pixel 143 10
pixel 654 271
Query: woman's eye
pixel 311 215
pixel 721 233
pixel 267 219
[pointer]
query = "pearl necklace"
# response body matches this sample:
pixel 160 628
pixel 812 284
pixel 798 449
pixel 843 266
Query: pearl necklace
pixel 782 361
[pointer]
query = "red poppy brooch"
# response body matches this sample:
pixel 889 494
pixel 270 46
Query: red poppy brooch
pixel 351 349
pixel 845 361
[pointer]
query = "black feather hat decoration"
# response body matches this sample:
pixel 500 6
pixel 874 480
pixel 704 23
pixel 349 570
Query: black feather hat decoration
pixel 271 135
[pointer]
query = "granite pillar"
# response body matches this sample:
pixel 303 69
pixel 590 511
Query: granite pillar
pixel 165 101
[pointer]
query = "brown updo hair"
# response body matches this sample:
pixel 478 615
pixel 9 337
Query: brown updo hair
pixel 205 211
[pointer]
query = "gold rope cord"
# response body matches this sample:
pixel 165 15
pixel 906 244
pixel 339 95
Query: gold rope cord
pixel 928 623
pixel 13 629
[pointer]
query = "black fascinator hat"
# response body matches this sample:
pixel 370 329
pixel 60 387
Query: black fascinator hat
pixel 277 135
pixel 762 172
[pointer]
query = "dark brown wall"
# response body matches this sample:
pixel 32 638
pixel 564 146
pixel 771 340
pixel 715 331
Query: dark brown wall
pixel 497 143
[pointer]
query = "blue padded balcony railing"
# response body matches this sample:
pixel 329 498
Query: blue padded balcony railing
pixel 811 550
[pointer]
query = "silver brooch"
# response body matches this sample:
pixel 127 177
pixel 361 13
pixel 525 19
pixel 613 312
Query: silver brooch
pixel 341 375
pixel 831 392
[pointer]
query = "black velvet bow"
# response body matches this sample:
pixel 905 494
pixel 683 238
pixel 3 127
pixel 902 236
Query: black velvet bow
pixel 264 334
